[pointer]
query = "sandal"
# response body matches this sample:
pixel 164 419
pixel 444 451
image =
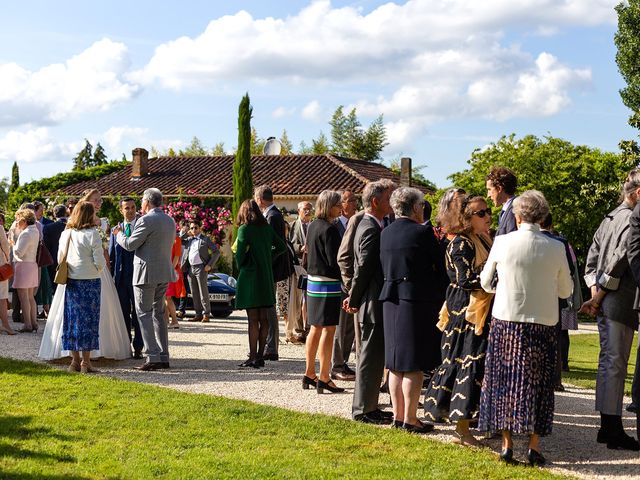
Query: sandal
pixel 466 440
pixel 74 367
pixel 88 368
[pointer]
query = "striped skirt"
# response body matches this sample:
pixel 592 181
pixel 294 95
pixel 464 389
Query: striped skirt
pixel 517 391
pixel 323 302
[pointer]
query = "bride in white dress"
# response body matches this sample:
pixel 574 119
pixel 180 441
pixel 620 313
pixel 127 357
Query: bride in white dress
pixel 112 332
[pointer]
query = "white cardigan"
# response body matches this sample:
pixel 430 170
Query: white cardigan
pixel 26 247
pixel 532 274
pixel 85 259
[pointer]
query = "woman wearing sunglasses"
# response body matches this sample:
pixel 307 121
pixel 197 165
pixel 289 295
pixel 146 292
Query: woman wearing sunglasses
pixel 454 391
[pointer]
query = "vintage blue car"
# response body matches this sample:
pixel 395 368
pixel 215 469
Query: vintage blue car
pixel 222 294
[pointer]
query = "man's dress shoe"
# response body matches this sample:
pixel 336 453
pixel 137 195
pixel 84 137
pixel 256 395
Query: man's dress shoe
pixel 149 366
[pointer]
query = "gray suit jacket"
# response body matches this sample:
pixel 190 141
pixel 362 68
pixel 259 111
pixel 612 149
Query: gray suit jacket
pixel 297 237
pixel 208 251
pixel 367 281
pixel 152 241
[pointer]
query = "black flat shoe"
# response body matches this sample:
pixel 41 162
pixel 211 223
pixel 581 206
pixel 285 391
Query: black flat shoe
pixel 507 455
pixel 622 441
pixel 421 428
pixel 259 363
pixel 397 424
pixel 322 386
pixel 535 458
pixel 309 382
pixel 247 364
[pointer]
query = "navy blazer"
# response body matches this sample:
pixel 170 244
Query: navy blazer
pixel 507 222
pixel 51 237
pixel 412 263
pixel 281 266
pixel 121 262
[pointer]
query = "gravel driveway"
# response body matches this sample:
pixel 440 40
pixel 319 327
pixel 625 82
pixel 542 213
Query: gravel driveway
pixel 205 358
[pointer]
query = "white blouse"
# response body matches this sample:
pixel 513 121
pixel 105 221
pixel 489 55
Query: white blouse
pixel 85 258
pixel 26 247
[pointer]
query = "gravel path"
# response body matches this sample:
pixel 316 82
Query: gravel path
pixel 205 359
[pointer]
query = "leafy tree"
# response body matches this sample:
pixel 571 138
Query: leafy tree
pixel 194 149
pixel 287 146
pixel 628 56
pixel 417 178
pixel 15 178
pixel 4 192
pixel 242 179
pixel 349 139
pixel 581 183
pixel 83 159
pixel 257 143
pixel 218 149
pixel 99 157
pixel 320 145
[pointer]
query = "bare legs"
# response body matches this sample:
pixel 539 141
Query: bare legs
pixel 404 388
pixel 320 343
pixel 29 308
pixel 170 312
pixel 463 434
pixel 4 317
pixel 83 366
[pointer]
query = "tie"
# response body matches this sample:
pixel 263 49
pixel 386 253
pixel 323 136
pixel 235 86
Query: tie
pixel 127 229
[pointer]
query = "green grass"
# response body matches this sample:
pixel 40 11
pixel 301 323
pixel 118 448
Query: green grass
pixel 56 425
pixel 583 362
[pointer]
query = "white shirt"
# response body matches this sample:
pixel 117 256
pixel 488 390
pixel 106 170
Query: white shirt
pixel 344 220
pixel 532 274
pixel 194 251
pixel 85 257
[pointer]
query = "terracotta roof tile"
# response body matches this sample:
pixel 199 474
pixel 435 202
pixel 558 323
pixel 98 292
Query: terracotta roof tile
pixel 288 175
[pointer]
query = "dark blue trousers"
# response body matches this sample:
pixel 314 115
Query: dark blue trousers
pixel 127 304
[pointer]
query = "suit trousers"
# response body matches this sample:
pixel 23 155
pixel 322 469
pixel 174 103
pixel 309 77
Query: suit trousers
pixel 182 305
pixel 343 339
pixel 150 310
pixel 199 289
pixel 635 386
pixel 615 348
pixel 273 336
pixel 128 306
pixel 294 325
pixel 369 369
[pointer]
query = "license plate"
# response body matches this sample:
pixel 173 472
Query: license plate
pixel 218 297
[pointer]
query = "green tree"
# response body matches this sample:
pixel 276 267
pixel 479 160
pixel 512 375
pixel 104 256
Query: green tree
pixel 99 157
pixel 4 192
pixel 350 139
pixel 581 183
pixel 194 149
pixel 320 145
pixel 287 146
pixel 257 143
pixel 83 159
pixel 242 179
pixel 218 149
pixel 15 178
pixel 628 56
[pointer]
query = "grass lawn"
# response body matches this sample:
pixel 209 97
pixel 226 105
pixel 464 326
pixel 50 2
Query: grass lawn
pixel 56 425
pixel 583 362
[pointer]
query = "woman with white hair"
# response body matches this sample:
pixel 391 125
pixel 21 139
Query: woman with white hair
pixel 517 390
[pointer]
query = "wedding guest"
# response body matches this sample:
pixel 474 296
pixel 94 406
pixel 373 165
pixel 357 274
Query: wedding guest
pixel 454 391
pixel 184 261
pixel 51 237
pixel 25 279
pixel 297 318
pixel 411 265
pixel 256 246
pixel 323 291
pixel 85 260
pixel 5 258
pixel 175 289
pixel 501 189
pixel 517 390
pixel 44 293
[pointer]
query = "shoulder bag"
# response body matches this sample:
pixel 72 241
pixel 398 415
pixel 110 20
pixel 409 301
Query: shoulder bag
pixel 6 270
pixel 43 256
pixel 62 269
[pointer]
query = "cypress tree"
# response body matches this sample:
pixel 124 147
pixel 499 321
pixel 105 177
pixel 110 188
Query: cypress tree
pixel 242 179
pixel 15 178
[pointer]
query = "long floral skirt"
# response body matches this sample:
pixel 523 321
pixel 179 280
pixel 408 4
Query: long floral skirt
pixel 517 391
pixel 81 315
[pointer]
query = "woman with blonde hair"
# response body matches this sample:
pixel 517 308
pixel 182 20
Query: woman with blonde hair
pixel 25 279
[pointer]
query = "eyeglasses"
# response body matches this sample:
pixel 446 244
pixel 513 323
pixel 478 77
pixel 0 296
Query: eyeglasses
pixel 482 213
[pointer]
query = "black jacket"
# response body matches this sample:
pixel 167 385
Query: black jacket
pixel 323 242
pixel 282 266
pixel 51 236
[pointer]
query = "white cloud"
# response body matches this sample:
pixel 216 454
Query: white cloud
pixel 282 112
pixel 93 80
pixel 312 110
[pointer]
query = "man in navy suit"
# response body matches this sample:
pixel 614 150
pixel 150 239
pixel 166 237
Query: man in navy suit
pixel 122 270
pixel 501 189
pixel 51 236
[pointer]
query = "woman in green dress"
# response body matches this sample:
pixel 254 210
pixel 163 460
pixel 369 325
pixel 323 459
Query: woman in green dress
pixel 256 246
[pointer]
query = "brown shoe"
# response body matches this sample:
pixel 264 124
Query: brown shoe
pixel 197 318
pixel 346 377
pixel 295 341
pixel 205 319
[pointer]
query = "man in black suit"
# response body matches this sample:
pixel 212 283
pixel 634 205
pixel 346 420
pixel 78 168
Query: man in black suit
pixel 501 189
pixel 121 261
pixel 263 196
pixel 345 333
pixel 363 298
pixel 39 211
pixel 51 236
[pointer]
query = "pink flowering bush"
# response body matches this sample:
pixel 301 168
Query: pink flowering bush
pixel 213 219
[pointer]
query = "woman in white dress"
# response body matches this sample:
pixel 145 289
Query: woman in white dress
pixel 113 337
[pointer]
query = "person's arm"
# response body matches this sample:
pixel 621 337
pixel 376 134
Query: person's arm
pixel 215 254
pixel 345 252
pixel 609 278
pixel 489 270
pixel 21 244
pixel 364 266
pixel 97 250
pixel 242 244
pixel 565 283
pixel 278 247
pixel 137 238
pixel 591 265
pixel 297 239
pixel 633 244
pixel 463 255
pixel 4 245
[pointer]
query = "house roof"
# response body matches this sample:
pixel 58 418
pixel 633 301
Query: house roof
pixel 288 175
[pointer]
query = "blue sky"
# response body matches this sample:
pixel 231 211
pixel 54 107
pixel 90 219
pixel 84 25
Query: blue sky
pixel 448 75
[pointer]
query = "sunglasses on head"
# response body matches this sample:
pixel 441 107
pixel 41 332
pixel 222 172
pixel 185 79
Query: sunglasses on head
pixel 482 213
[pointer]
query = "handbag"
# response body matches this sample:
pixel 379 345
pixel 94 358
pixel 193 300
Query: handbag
pixel 302 282
pixel 62 270
pixel 6 272
pixel 43 256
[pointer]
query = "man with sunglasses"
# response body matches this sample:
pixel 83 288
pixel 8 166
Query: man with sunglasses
pixel 501 189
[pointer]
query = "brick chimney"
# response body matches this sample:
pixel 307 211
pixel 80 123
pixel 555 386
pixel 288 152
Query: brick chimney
pixel 405 171
pixel 140 167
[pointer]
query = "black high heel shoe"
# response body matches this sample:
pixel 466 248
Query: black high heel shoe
pixel 507 455
pixel 322 386
pixel 309 382
pixel 535 458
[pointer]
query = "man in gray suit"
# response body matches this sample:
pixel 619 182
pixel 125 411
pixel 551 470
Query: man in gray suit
pixel 201 254
pixel 363 298
pixel 152 241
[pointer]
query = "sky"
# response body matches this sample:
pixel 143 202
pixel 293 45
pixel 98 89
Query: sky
pixel 449 76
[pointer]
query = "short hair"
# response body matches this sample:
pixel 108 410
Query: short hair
pixel 547 221
pixel 427 210
pixel 82 216
pixel 60 211
pixel 195 221
pixel 249 214
pixel 126 199
pixel 303 204
pixel 37 204
pixel 374 190
pixel 27 215
pixel 29 206
pixel 446 203
pixel 631 183
pixel 504 178
pixel 325 202
pixel 458 217
pixel 153 196
pixel 73 200
pixel 531 206
pixel 390 184
pixel 403 200
pixel 264 192
pixel 2 217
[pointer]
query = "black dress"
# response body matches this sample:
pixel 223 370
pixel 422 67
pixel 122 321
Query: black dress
pixel 454 391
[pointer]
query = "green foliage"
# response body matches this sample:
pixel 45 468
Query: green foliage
pixel 319 146
pixel 349 139
pixel 99 157
pixel 242 179
pixel 194 149
pixel 4 192
pixel 218 149
pixel 581 183
pixel 417 178
pixel 257 143
pixel 83 159
pixel 15 178
pixel 627 40
pixel 287 146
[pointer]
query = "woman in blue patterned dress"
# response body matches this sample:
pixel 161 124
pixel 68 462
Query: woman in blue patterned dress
pixel 85 260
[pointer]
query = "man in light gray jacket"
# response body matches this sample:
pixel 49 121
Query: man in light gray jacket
pixel 152 241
